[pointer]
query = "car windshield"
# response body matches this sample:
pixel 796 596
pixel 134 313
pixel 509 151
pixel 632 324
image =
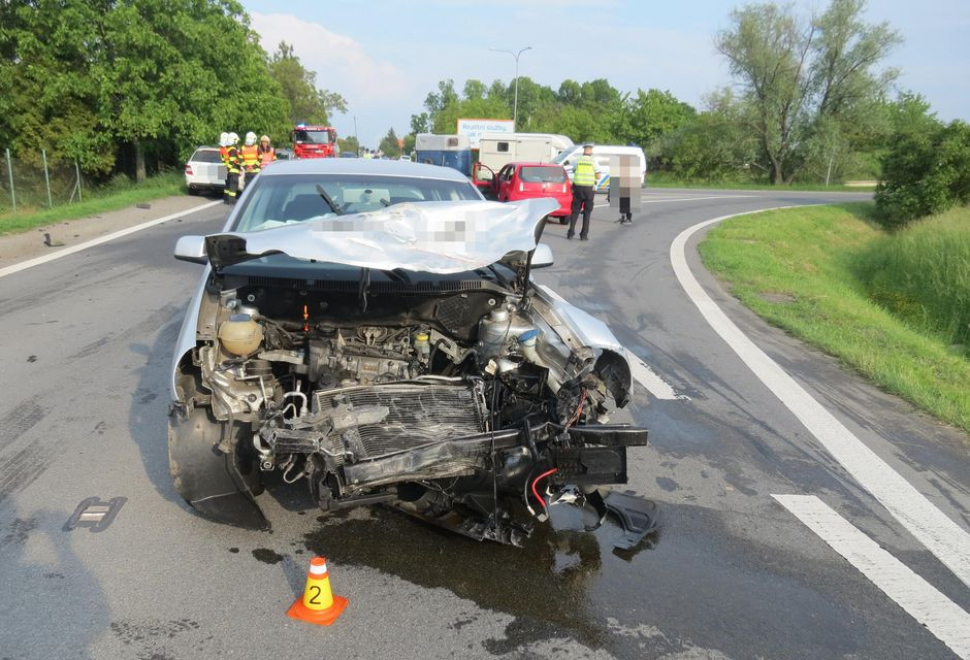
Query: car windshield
pixel 205 156
pixel 276 201
pixel 311 137
pixel 532 174
pixel 563 157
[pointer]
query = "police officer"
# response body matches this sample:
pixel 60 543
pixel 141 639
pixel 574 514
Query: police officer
pixel 584 182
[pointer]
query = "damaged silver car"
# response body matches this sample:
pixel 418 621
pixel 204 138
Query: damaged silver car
pixel 371 328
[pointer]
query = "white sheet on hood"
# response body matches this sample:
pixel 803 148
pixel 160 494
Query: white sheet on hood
pixel 434 237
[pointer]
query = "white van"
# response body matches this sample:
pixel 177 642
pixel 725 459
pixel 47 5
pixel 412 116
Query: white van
pixel 601 155
pixel 496 150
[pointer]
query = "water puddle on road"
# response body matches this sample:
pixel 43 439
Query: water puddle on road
pixel 552 582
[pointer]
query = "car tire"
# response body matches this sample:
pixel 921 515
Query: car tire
pixel 193 191
pixel 564 220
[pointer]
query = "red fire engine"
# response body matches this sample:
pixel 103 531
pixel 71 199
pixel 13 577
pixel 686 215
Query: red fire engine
pixel 314 141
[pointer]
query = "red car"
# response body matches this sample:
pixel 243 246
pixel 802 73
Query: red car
pixel 518 181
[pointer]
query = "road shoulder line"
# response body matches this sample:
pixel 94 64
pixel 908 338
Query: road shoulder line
pixel 940 615
pixel 94 242
pixel 941 535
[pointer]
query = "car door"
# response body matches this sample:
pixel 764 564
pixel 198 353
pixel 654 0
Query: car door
pixel 505 182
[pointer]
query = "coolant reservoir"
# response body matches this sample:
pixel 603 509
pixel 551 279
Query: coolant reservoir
pixel 241 335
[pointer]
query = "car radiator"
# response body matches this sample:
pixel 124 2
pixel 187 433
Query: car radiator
pixel 383 419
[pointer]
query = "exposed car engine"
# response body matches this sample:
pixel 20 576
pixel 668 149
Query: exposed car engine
pixel 458 406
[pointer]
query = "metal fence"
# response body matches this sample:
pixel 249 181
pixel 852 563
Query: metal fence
pixel 36 182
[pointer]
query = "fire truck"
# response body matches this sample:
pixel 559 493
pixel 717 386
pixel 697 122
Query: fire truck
pixel 314 141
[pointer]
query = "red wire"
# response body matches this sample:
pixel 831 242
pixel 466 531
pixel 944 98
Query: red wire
pixel 537 480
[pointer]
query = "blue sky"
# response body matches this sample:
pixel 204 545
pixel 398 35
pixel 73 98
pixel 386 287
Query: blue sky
pixel 385 56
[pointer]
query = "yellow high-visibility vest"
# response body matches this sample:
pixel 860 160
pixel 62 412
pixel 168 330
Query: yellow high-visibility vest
pixel 584 173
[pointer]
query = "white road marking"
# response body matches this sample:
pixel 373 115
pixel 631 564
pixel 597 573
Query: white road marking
pixel 940 615
pixel 657 386
pixel 74 249
pixel 941 535
pixel 644 200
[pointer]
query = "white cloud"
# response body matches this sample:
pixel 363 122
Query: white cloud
pixel 340 62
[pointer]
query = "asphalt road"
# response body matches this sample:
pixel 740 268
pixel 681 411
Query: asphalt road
pixel 87 341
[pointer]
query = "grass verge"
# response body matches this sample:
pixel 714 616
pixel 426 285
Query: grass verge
pixel 661 180
pixel 799 270
pixel 110 198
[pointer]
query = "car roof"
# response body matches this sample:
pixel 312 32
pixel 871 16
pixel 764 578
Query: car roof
pixel 535 164
pixel 364 166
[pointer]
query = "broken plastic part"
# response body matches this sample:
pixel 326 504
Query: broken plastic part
pixel 637 515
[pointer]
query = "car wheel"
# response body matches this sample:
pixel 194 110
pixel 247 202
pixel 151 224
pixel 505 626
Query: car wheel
pixel 193 190
pixel 564 220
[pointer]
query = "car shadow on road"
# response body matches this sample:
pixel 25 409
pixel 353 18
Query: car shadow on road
pixel 52 606
pixel 148 414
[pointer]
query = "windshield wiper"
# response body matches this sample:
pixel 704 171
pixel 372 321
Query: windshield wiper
pixel 329 200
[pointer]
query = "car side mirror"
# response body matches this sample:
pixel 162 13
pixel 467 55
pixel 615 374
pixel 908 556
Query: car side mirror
pixel 542 257
pixel 191 249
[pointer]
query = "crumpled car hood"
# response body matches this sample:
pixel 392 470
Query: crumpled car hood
pixel 434 237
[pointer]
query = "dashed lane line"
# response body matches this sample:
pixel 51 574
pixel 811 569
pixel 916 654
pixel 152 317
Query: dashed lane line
pixel 940 615
pixel 941 535
pixel 101 240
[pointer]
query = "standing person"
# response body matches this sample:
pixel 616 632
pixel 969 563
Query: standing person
pixel 584 181
pixel 267 154
pixel 224 155
pixel 250 155
pixel 233 163
pixel 625 187
pixel 224 147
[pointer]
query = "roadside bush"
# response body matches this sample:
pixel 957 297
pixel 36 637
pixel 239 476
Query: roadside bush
pixel 922 275
pixel 924 172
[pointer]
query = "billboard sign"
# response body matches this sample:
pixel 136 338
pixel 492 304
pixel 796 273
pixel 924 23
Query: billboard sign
pixel 474 128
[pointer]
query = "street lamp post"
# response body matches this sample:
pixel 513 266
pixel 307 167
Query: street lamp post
pixel 515 103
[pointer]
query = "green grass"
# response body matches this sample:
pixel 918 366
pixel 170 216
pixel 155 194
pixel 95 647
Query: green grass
pixel 922 275
pixel 663 180
pixel 119 194
pixel 800 270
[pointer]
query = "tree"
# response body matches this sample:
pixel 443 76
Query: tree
pixel 389 145
pixel 307 103
pixel 654 113
pixel 798 75
pixel 147 80
pixel 348 144
pixel 713 146
pixel 926 170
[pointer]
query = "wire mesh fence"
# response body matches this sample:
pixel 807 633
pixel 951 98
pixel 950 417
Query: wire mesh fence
pixel 36 182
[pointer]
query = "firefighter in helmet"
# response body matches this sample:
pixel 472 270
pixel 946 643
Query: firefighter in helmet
pixel 250 155
pixel 233 162
pixel 267 154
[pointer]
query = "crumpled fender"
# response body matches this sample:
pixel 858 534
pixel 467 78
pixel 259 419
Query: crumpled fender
pixel 219 486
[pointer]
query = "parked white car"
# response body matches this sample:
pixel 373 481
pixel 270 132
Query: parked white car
pixel 204 171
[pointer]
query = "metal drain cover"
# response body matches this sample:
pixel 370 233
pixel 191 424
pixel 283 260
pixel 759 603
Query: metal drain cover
pixel 95 514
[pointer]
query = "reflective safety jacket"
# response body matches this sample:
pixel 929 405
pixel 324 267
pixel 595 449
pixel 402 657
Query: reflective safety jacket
pixel 267 156
pixel 232 160
pixel 250 157
pixel 224 154
pixel 584 172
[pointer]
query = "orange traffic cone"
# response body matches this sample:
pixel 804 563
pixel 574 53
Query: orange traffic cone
pixel 318 604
